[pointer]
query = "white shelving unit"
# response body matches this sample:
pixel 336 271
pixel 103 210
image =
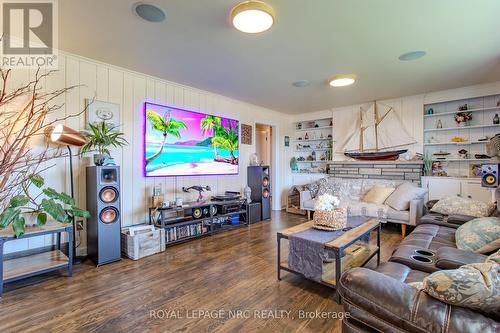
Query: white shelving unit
pixel 483 110
pixel 313 145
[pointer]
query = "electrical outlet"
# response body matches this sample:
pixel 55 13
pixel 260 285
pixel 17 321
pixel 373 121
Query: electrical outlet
pixel 79 225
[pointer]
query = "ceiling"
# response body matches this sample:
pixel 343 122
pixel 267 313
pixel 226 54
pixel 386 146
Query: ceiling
pixel 311 40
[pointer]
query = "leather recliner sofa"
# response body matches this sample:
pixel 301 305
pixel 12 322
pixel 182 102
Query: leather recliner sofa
pixel 381 300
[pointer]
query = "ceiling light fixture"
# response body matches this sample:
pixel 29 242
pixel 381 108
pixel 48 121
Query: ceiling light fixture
pixel 252 16
pixel 149 12
pixel 342 80
pixel 301 83
pixel 414 55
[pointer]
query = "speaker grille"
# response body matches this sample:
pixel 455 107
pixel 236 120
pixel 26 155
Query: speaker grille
pixel 108 194
pixel 265 193
pixel 265 182
pixel 109 215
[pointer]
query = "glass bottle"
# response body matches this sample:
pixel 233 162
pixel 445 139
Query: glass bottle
pixel 306 137
pixel 496 120
pixel 439 124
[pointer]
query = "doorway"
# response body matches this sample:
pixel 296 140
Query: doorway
pixel 263 143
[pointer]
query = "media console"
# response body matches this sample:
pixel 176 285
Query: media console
pixel 198 219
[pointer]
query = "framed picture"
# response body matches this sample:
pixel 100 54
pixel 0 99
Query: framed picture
pixel 100 111
pixel 246 134
pixel 474 170
pixel 287 141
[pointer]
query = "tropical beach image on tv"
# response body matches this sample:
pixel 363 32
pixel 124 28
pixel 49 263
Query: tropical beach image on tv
pixel 185 143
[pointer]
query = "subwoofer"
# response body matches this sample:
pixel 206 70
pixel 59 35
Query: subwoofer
pixel 103 204
pixel 489 175
pixel 259 181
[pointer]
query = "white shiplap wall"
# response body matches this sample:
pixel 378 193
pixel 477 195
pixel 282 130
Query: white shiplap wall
pixel 409 108
pixel 130 90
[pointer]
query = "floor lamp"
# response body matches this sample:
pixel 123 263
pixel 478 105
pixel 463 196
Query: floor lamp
pixel 68 137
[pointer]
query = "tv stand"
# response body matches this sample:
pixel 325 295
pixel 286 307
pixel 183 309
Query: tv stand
pixel 199 219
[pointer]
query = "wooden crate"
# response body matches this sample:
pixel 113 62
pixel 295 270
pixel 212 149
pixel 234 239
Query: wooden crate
pixel 293 202
pixel 142 244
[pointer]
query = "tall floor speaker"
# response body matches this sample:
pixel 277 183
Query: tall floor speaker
pixel 103 203
pixel 259 180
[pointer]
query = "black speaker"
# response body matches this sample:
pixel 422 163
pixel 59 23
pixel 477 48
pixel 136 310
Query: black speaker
pixel 259 181
pixel 254 212
pixel 489 175
pixel 103 203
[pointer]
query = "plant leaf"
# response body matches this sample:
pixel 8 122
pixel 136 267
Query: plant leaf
pixel 19 226
pixel 37 180
pixel 8 215
pixel 55 210
pixel 41 219
pixel 79 212
pixel 53 194
pixel 18 201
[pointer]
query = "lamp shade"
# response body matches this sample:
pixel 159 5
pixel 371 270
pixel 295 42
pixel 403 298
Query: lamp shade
pixel 64 135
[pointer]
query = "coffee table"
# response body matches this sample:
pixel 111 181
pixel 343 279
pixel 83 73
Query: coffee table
pixel 346 247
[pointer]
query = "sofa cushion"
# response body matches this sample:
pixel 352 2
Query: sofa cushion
pixel 430 237
pixel 309 204
pixel 458 205
pixel 404 193
pixel 399 215
pixel 360 208
pixel 480 235
pixel 401 272
pixel 378 194
pixel 474 286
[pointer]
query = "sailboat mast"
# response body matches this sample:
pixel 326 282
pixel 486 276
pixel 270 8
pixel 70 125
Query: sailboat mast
pixel 361 129
pixel 375 114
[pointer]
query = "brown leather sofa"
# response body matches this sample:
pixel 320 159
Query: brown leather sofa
pixel 381 300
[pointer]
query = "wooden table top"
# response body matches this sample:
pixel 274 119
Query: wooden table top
pixel 340 241
pixel 33 230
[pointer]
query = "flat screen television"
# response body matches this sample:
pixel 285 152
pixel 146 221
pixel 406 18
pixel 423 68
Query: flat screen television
pixel 179 142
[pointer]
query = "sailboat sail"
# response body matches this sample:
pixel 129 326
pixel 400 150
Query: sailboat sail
pixel 376 131
pixel 391 133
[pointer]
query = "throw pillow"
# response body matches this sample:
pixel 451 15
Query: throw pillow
pixel 473 286
pixel 326 186
pixel 313 188
pixel 404 193
pixel 480 235
pixel 461 206
pixel 378 194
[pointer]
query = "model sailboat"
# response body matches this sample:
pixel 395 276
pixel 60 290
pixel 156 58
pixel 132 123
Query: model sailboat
pixel 377 132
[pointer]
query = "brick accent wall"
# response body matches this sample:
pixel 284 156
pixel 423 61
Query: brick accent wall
pixel 400 170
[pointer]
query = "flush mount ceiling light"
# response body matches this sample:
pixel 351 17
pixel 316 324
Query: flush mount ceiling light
pixel 342 80
pixel 301 83
pixel 252 16
pixel 414 55
pixel 149 12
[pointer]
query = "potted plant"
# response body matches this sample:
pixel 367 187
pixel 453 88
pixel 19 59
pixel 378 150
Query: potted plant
pixel 427 165
pixel 100 139
pixel 462 118
pixel 25 207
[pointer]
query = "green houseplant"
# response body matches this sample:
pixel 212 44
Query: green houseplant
pixel 58 205
pixel 100 139
pixel 428 165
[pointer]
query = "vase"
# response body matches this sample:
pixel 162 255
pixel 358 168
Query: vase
pixel 99 159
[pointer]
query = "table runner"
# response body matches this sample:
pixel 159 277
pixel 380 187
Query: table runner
pixel 306 249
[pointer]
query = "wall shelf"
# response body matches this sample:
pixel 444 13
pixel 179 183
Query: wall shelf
pixel 460 128
pixel 467 143
pixel 435 139
pixel 314 128
pixel 455 112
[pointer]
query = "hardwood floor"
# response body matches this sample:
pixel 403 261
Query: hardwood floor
pixel 229 271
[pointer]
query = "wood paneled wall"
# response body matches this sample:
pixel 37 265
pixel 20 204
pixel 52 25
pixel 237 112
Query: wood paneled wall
pixel 131 89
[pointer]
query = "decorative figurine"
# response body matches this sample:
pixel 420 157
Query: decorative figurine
pixel 496 120
pixel 299 126
pixel 464 107
pixel 462 153
pixel 200 189
pixel 306 137
pixel 248 191
pixel 439 124
pixel 430 111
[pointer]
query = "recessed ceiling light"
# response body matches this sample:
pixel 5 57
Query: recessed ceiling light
pixel 342 80
pixel 252 16
pixel 301 83
pixel 414 55
pixel 149 12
